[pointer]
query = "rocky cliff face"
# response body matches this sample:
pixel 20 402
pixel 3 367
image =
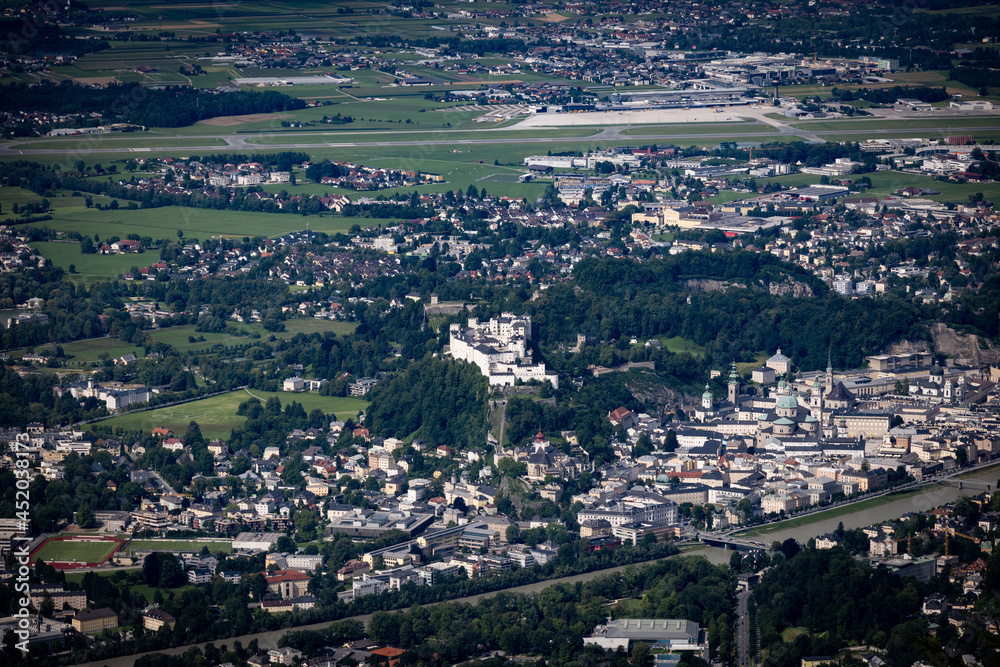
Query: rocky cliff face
pixel 786 287
pixel 967 349
pixel 700 285
pixel 789 287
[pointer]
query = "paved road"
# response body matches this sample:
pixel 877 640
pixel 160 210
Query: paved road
pixel 743 629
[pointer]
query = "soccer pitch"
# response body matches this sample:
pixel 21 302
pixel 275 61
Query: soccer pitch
pixel 70 550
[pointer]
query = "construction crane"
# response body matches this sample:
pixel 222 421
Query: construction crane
pixel 951 531
pixel 908 539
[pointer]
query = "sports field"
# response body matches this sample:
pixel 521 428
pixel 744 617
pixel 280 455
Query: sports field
pixel 72 549
pixel 217 414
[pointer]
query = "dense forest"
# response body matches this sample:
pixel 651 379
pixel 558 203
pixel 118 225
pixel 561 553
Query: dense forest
pixel 443 402
pixel 173 106
pixel 839 602
pixel 620 298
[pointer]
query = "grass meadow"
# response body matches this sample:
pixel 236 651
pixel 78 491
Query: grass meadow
pixel 217 414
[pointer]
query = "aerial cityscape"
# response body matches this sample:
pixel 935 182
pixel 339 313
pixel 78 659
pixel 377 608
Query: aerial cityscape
pixel 432 333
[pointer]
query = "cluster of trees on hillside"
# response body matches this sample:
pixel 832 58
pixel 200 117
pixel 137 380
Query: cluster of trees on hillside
pixel 840 602
pixel 621 299
pixel 173 106
pixel 443 402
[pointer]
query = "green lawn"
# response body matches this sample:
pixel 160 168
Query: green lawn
pixel 217 414
pixel 943 123
pixel 310 325
pixel 149 592
pixel 93 267
pixel 684 129
pixel 679 345
pixel 179 545
pixel 138 143
pixel 832 513
pixel 89 351
pixel 163 223
pixel 84 552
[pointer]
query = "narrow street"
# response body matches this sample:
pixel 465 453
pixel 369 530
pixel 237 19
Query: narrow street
pixel 743 629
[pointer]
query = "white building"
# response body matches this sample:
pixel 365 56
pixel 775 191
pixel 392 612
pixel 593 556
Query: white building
pixel 500 348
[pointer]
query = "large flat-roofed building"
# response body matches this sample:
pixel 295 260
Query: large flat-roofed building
pixel 660 633
pixel 255 541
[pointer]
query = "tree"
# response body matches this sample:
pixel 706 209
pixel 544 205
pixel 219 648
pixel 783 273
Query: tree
pixel 789 548
pixel 85 516
pixel 642 656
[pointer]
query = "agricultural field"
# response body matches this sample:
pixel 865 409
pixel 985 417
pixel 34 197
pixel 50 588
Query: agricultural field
pixel 164 223
pixel 217 414
pixel 88 268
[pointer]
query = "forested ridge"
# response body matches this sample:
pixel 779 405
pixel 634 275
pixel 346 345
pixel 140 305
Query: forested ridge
pixel 619 298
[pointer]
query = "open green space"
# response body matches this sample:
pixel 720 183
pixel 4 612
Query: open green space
pixel 149 592
pixel 943 123
pixel 77 577
pixel 95 350
pixel 175 546
pixel 335 136
pixel 310 325
pixel 217 414
pixel 83 552
pixel 137 144
pixel 744 368
pixel 832 513
pixel 90 350
pixel 680 345
pixel 163 223
pixel 90 267
pixel 683 129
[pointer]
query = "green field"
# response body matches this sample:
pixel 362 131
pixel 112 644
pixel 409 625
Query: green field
pixel 91 267
pixel 89 351
pixel 217 414
pixel 680 345
pixel 136 143
pixel 95 350
pixel 943 123
pixel 310 325
pixel 175 546
pixel 163 223
pixel 684 129
pixel 83 552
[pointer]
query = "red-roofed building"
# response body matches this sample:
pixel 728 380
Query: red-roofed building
pixel 386 655
pixel 288 583
pixel 621 417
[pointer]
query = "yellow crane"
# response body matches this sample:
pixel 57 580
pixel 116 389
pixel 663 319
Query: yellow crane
pixel 951 531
